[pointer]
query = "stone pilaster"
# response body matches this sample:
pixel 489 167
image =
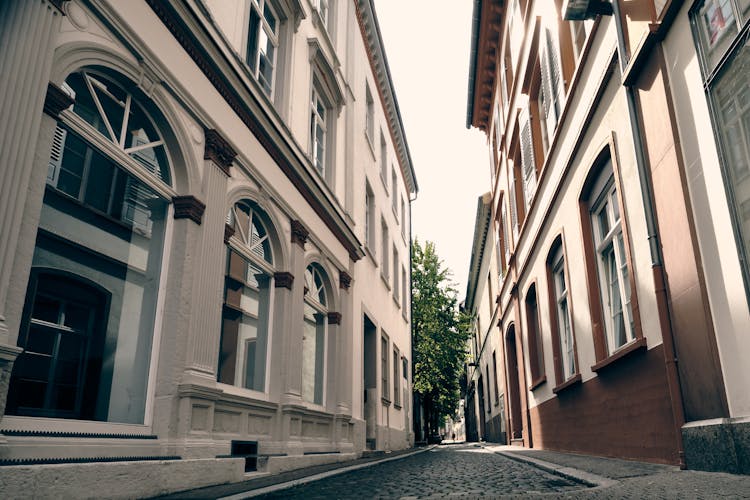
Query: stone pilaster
pixel 291 315
pixel 344 354
pixel 207 292
pixel 27 35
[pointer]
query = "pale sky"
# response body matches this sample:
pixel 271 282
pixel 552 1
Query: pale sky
pixel 427 43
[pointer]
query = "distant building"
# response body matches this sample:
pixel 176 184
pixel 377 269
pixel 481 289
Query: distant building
pixel 204 241
pixel 485 393
pixel 619 145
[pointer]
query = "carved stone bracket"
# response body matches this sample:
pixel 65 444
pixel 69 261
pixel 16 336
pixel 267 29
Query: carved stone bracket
pixel 345 280
pixel 228 232
pixel 188 207
pixel 56 100
pixel 218 150
pixel 299 233
pixel 283 280
pixel 334 318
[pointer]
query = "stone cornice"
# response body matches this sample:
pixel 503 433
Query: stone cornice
pixel 190 30
pixel 56 100
pixel 218 150
pixel 345 280
pixel 373 40
pixel 188 207
pixel 283 279
pixel 299 233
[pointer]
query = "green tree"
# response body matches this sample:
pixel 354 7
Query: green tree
pixel 439 332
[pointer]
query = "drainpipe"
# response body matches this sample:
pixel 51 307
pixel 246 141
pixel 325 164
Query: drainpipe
pixel 657 264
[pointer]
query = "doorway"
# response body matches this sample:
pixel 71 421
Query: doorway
pixel 516 425
pixel 370 393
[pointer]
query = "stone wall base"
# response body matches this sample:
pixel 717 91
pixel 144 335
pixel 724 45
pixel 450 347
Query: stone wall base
pixel 719 445
pixel 117 479
pixel 276 464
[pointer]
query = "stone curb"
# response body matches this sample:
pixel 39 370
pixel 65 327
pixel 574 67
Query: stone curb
pixel 316 477
pixel 577 475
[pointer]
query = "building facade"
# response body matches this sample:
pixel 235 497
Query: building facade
pixel 623 304
pixel 205 241
pixel 484 394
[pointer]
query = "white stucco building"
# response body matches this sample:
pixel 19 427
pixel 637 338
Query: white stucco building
pixel 205 242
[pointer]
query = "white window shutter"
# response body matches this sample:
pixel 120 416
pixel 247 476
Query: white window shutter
pixel 512 201
pixel 527 156
pixel 56 155
pixel 555 79
pixel 547 95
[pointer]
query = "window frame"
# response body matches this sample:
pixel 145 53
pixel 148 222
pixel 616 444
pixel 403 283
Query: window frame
pixel 321 309
pixel 605 169
pixel 534 337
pixel 557 265
pixel 274 36
pixel 385 252
pixel 396 378
pixel 385 368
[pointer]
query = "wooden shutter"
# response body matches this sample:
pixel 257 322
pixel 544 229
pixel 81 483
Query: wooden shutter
pixel 553 82
pixel 512 201
pixel 528 161
pixel 56 155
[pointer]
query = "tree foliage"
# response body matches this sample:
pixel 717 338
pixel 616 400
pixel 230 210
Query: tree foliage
pixel 440 332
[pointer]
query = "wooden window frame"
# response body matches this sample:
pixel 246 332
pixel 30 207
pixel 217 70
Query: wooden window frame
pixel 534 337
pixel 596 311
pixel 561 381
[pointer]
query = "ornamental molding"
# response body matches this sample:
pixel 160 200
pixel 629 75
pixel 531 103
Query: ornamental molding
pixel 283 279
pixel 228 232
pixel 334 318
pixel 56 100
pixel 218 150
pixel 299 233
pixel 189 207
pixel 345 280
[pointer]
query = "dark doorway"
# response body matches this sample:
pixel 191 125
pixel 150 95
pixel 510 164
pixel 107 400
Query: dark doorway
pixel 482 423
pixel 370 382
pixel 516 426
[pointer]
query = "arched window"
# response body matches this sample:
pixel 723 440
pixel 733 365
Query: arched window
pixel 247 299
pixel 314 335
pixel 103 221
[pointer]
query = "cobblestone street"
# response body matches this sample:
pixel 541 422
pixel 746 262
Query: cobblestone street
pixel 444 471
pixel 468 470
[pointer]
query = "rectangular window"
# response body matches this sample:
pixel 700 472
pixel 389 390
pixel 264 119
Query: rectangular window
pixel 405 368
pixel 404 296
pixel 262 43
pixel 494 376
pixel 528 161
pixel 369 217
pixel 403 217
pixel 370 115
pixel 396 379
pixel 534 334
pixel 394 194
pixel 318 115
pixel 396 285
pixel 559 287
pixel 383 160
pixel 614 279
pixel 324 12
pixel 385 268
pixel 721 30
pixel 384 366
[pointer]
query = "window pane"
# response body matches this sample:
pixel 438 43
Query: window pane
pixel 252 39
pixel 716 26
pixel 99 182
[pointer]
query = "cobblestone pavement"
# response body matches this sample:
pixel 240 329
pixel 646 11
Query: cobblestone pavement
pixel 458 470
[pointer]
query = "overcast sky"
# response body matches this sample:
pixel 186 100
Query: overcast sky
pixel 427 43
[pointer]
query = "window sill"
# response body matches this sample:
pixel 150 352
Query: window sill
pixel 395 210
pixel 636 345
pixel 385 401
pixel 571 382
pixel 397 300
pixel 538 382
pixel 396 406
